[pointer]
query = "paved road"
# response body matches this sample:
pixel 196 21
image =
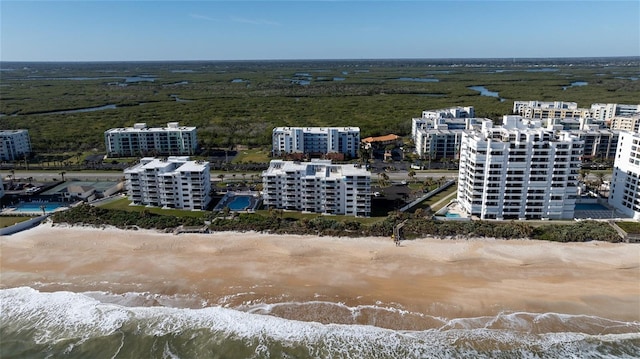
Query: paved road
pixel 55 175
pixel 114 176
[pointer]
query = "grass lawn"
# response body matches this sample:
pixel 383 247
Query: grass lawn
pixel 124 204
pixel 6 221
pixel 252 155
pixel 449 193
pixel 630 227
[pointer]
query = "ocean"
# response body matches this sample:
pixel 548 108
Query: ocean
pixel 61 324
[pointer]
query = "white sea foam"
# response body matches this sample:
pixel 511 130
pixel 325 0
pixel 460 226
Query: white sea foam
pixel 63 315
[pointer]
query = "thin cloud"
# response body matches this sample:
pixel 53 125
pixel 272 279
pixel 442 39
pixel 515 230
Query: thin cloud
pixel 202 17
pixel 254 21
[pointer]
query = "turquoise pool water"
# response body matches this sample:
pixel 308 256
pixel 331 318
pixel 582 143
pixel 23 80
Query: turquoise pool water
pixel 451 215
pixel 240 203
pixel 35 207
pixel 590 207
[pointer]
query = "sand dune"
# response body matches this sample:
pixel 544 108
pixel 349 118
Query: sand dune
pixel 448 278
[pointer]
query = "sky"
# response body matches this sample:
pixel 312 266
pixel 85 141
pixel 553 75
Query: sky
pixel 150 30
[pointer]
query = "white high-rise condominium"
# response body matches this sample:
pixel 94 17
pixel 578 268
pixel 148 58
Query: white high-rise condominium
pixel 624 193
pixel 14 145
pixel 317 186
pixel 174 182
pixel 519 171
pixel 140 140
pixel 316 140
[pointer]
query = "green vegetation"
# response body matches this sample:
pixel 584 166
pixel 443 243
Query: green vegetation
pixel 630 227
pixel 427 205
pixel 252 156
pixel 6 221
pixel 125 205
pixel 230 114
pixel 579 232
pixel 87 214
pixel 279 222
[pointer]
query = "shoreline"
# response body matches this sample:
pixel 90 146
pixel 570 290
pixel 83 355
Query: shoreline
pixel 449 278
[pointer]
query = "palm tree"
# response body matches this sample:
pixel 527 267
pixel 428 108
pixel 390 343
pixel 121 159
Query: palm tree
pixel 600 176
pixel 384 179
pixel 412 174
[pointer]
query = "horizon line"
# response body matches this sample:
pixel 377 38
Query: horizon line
pixel 340 59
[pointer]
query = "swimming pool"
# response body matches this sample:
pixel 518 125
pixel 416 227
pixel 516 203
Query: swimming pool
pixel 31 207
pixel 590 207
pixel 239 203
pixel 452 215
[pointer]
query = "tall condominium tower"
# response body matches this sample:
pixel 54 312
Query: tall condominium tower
pixel 519 171
pixel 625 182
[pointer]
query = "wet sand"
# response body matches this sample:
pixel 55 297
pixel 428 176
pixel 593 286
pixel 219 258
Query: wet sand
pixel 444 278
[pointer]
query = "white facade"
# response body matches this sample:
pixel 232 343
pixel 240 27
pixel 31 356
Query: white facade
pixel 14 144
pixel 544 110
pixel 625 182
pixel 559 109
pixel 607 111
pixel 317 186
pixel 141 140
pixel 451 112
pixel 316 140
pixel 437 133
pixel 519 171
pixel 175 182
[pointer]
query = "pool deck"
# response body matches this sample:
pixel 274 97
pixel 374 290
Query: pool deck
pixel 13 211
pixel 254 201
pixel 453 208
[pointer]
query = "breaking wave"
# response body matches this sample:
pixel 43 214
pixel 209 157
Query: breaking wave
pixel 104 325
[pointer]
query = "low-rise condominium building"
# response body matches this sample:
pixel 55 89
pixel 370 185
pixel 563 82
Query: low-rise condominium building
pixel 607 111
pixel 599 141
pixel 629 123
pixel 14 145
pixel 140 140
pixel 317 186
pixel 543 110
pixel 559 109
pixel 174 182
pixel 437 134
pixel 451 112
pixel 520 170
pixel 316 141
pixel 624 192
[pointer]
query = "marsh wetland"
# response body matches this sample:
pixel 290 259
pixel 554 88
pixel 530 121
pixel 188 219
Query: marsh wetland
pixel 67 106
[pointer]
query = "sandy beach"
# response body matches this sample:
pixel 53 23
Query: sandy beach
pixel 445 278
